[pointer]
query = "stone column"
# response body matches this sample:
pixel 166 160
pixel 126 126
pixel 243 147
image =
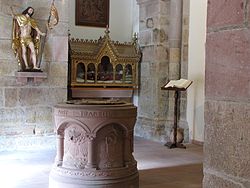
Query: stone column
pixel 188 129
pixel 175 31
pixel 153 40
pixel 160 40
pixel 129 148
pixel 227 105
pixel 175 37
pixel 91 155
pixel 60 149
pixel 177 68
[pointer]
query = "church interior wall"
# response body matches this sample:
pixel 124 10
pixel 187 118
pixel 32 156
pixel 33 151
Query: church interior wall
pixel 26 109
pixel 28 102
pixel 120 22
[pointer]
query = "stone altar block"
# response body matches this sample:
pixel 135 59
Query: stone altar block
pixel 95 146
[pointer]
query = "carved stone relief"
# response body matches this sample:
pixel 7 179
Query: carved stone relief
pixel 110 147
pixel 75 147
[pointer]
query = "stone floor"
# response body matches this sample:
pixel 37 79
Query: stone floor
pixel 159 167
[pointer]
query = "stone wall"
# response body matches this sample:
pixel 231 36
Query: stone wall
pixel 153 39
pixel 227 107
pixel 26 109
pixel 160 39
pixel 184 67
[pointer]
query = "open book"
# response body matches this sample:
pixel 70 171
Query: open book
pixel 178 84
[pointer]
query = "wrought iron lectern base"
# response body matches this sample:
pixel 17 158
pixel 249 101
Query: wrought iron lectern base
pixel 171 145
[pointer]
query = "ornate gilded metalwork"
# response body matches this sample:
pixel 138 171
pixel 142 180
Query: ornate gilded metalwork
pixel 104 63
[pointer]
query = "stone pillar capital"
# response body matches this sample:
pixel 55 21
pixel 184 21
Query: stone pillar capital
pixel 90 136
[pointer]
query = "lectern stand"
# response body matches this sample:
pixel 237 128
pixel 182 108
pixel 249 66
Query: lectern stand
pixel 176 86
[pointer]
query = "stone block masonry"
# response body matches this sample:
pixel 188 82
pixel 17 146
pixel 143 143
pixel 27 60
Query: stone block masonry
pixel 26 109
pixel 227 107
pixel 160 40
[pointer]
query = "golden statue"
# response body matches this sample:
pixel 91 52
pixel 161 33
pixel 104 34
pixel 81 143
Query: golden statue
pixel 26 39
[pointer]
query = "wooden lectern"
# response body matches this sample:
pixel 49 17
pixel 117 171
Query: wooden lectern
pixel 177 86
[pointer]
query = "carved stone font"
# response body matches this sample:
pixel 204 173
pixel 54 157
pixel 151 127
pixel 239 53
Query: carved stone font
pixel 95 146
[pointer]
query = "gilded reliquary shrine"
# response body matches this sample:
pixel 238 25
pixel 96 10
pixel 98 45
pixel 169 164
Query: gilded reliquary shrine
pixel 103 68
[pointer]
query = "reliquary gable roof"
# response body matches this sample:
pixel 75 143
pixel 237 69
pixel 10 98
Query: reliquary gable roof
pixel 92 49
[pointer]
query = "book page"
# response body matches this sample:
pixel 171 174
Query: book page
pixel 182 83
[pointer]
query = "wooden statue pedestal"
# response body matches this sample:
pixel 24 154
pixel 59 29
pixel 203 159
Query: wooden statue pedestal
pixel 95 146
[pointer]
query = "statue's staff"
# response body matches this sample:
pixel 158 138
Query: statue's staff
pixel 52 21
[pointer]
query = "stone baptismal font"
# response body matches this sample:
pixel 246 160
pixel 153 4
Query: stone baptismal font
pixel 95 145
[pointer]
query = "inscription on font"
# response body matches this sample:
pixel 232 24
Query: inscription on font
pixel 83 114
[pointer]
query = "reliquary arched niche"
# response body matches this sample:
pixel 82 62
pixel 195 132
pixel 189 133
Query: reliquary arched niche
pixel 103 68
